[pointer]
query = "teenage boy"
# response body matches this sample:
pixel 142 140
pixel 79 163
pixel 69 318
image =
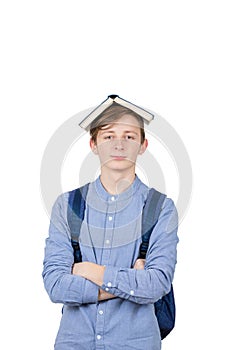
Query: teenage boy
pixel 108 297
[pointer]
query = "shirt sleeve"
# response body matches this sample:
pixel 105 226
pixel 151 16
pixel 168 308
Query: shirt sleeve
pixel 148 285
pixel 61 285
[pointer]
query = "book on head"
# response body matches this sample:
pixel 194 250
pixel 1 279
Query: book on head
pixel 86 122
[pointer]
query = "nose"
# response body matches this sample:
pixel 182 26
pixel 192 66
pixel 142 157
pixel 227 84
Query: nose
pixel 119 144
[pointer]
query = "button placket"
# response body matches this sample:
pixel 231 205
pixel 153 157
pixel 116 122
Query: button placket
pixel 106 253
pixel 110 218
pixel 100 323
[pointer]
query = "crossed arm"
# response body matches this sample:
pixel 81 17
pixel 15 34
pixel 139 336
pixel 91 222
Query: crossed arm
pixel 95 273
pixel 86 284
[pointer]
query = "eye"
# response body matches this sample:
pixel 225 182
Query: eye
pixel 129 137
pixel 108 137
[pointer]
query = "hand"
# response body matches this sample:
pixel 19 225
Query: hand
pixel 90 271
pixel 79 269
pixel 139 264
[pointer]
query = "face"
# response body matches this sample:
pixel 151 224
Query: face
pixel 119 144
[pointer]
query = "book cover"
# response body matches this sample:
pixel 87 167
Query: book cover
pixel 86 122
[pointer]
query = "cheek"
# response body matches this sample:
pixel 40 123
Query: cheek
pixel 134 149
pixel 103 151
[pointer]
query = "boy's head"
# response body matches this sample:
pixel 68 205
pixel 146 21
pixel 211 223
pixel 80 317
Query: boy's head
pixel 110 116
pixel 118 137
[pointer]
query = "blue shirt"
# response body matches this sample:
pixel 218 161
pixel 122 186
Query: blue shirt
pixel 110 235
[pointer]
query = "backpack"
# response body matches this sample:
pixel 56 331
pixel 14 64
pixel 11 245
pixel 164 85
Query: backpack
pixel 164 307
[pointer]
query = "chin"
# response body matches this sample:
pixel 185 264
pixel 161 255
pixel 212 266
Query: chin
pixel 119 164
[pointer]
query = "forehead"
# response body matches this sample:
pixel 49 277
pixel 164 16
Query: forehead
pixel 127 121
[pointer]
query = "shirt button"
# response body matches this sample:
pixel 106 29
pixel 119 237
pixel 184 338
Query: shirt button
pixel 107 241
pixel 107 289
pixel 109 284
pixel 112 198
pixel 98 336
pixel 101 312
pixel 110 218
pixel 131 292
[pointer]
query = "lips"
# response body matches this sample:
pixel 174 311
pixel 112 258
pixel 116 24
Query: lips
pixel 118 157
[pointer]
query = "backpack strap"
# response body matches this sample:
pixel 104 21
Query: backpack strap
pixel 165 310
pixel 150 215
pixel 75 216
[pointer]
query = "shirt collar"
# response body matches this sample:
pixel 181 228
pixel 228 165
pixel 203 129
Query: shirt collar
pixel 119 197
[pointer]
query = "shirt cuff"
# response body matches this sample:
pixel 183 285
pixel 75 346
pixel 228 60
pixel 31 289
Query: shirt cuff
pixel 110 278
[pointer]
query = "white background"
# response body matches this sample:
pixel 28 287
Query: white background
pixel 61 57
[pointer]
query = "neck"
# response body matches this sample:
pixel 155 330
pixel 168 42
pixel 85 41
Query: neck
pixel 116 183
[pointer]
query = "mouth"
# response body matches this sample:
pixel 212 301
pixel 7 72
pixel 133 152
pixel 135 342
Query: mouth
pixel 118 157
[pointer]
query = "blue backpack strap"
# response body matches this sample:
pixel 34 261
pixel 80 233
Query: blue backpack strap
pixel 165 307
pixel 75 216
pixel 150 215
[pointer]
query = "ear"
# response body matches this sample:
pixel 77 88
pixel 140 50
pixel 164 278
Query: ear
pixel 93 146
pixel 143 147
